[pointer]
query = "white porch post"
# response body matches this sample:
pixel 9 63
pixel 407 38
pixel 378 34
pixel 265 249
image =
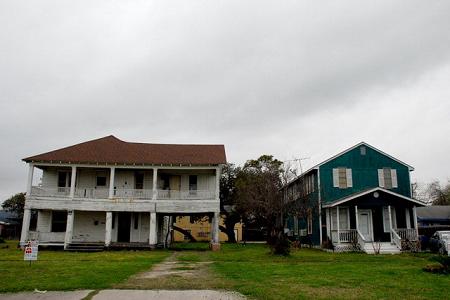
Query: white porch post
pixel 390 221
pixel 415 221
pixel 337 224
pixel 111 182
pixel 356 220
pixel 218 184
pixel 25 226
pixel 72 181
pixel 328 223
pixel 108 228
pixel 69 228
pixel 30 179
pixel 215 229
pixel 155 183
pixel 152 238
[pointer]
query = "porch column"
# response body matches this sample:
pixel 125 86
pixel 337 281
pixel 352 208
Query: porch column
pixel 152 238
pixel 390 221
pixel 327 212
pixel 155 182
pixel 25 226
pixel 337 224
pixel 72 181
pixel 108 228
pixel 415 222
pixel 111 182
pixel 217 184
pixel 69 228
pixel 215 243
pixel 30 179
pixel 356 220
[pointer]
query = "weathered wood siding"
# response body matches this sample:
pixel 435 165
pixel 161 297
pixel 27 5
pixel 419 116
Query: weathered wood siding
pixel 89 226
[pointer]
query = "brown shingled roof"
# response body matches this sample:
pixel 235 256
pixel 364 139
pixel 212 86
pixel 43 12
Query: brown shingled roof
pixel 111 150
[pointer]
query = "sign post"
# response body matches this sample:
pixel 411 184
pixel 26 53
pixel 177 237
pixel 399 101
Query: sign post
pixel 31 251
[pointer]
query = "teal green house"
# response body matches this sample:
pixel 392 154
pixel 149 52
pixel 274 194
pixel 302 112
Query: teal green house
pixel 359 199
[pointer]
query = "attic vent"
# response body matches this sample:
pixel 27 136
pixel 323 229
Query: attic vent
pixel 363 150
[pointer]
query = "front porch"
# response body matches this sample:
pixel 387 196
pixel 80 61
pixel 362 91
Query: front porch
pixel 371 222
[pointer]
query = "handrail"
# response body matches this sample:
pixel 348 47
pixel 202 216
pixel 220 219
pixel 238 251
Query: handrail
pixel 361 240
pixel 396 239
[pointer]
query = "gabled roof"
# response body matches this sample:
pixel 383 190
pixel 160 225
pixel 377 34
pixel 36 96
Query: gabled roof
pixel 111 150
pixel 348 150
pixel 367 145
pixel 365 192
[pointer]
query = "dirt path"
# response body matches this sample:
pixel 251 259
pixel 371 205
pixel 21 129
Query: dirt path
pixel 174 273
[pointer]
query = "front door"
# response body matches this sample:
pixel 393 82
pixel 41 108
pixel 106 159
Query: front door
pixel 123 229
pixel 365 223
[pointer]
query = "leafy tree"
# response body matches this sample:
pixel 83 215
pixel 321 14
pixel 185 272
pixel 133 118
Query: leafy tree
pixel 259 198
pixel 439 195
pixel 15 204
pixel 228 207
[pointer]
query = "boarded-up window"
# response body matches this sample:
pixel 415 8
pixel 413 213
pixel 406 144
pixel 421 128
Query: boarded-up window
pixel 387 178
pixel 310 222
pixel 342 178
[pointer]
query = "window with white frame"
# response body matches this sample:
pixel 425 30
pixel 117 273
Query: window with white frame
pixel 387 219
pixel 387 178
pixel 344 218
pixel 342 178
pixel 310 222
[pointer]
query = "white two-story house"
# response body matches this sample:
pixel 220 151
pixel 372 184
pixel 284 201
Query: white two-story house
pixel 115 193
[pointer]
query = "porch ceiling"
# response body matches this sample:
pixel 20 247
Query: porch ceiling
pixel 369 191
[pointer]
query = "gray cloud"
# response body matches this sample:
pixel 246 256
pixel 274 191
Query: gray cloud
pixel 290 78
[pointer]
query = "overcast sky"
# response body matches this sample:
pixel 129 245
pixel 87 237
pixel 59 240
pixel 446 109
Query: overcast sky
pixel 288 78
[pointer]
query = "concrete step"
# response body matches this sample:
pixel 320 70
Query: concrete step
pixel 85 247
pixel 385 248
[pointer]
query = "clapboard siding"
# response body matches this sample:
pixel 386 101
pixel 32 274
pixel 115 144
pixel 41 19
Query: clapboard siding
pixel 89 226
pixel 44 221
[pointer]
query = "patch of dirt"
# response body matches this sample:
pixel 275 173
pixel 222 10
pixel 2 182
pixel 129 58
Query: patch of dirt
pixel 172 274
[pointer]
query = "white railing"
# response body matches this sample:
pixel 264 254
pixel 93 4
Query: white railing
pixel 92 193
pixel 191 195
pixel 361 240
pixel 133 193
pixel 409 234
pixel 396 239
pixel 347 235
pixel 50 191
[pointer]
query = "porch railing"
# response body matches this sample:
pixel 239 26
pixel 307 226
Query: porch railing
pixel 396 239
pixel 192 195
pixel 50 191
pixel 361 240
pixel 101 193
pixel 409 234
pixel 347 235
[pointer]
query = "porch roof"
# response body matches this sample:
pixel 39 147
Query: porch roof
pixel 111 150
pixel 365 192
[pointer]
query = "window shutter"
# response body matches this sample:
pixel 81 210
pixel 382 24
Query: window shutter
pixel 394 178
pixel 335 177
pixel 349 178
pixel 380 178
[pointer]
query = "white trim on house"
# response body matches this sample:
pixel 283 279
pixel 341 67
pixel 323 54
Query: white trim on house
pixel 343 200
pixel 411 168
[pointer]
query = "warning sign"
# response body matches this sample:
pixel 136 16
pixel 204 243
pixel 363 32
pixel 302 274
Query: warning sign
pixel 31 250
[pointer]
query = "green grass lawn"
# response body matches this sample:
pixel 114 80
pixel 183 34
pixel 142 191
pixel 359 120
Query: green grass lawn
pixel 310 273
pixel 59 270
pixel 249 269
